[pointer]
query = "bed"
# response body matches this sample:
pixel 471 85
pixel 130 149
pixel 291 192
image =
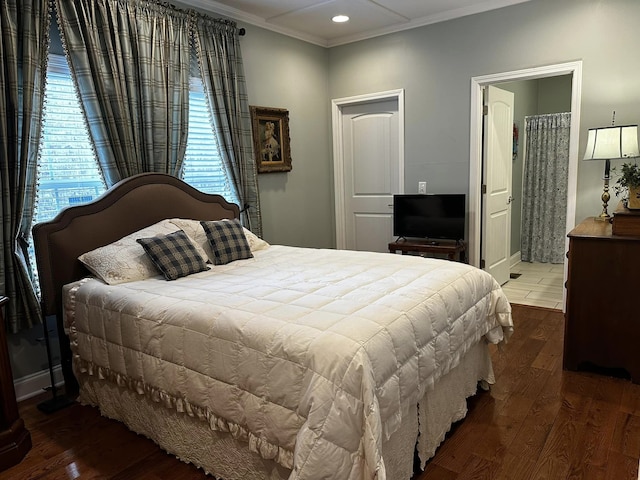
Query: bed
pixel 282 362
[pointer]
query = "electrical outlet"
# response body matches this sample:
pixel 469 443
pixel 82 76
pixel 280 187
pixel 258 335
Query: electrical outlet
pixel 422 187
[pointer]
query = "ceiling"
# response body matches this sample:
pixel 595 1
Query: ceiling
pixel 310 20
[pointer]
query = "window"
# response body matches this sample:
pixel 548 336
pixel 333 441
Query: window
pixel 203 168
pixel 68 170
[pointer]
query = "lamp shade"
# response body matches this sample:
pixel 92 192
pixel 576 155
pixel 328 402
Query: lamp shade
pixel 608 143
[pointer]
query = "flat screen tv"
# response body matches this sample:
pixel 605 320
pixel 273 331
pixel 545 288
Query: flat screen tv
pixel 437 216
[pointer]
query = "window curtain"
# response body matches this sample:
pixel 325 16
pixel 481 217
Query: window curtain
pixel 24 41
pixel 218 51
pixel 130 62
pixel 544 204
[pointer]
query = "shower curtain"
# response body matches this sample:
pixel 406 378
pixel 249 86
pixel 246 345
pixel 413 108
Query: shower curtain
pixel 544 203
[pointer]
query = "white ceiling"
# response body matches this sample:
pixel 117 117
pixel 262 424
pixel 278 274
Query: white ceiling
pixel 310 20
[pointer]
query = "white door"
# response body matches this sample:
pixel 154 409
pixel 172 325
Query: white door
pixel 371 172
pixel 496 208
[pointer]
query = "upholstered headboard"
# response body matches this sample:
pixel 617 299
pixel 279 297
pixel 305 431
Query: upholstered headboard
pixel 130 205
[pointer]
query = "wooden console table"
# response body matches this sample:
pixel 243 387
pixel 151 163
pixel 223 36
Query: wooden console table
pixel 451 249
pixel 602 325
pixel 15 440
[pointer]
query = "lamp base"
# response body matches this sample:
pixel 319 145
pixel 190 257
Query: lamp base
pixel 604 216
pixel 56 403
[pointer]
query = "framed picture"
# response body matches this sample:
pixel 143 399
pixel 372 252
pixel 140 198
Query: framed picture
pixel 271 139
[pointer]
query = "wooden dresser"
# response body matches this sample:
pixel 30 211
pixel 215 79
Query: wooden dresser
pixel 602 327
pixel 15 440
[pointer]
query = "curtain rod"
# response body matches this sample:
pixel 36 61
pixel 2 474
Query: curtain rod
pixel 241 32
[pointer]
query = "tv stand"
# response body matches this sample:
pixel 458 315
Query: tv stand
pixel 450 248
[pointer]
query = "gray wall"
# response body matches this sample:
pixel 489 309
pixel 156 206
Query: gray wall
pixel 554 95
pixel 434 64
pixel 297 206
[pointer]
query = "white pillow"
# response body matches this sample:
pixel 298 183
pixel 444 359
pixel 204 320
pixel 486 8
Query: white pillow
pixel 196 233
pixel 125 260
pixel 255 242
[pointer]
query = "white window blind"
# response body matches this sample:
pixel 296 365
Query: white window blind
pixel 203 168
pixel 68 169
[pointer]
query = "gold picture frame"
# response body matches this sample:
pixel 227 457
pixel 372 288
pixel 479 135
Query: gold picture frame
pixel 270 128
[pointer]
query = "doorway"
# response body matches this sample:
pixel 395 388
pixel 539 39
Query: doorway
pixel 476 143
pixel 368 166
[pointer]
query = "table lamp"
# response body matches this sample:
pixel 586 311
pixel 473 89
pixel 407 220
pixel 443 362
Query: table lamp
pixel 611 143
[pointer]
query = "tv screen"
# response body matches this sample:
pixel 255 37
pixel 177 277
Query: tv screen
pixel 440 216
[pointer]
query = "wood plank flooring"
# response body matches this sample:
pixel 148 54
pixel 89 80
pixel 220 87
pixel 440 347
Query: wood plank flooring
pixel 537 422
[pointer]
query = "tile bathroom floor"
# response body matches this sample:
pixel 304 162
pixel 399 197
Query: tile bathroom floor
pixel 537 284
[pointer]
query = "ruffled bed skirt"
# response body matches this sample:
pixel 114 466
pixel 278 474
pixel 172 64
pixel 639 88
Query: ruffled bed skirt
pixel 228 457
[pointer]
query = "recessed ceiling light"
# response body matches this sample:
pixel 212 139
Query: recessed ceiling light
pixel 340 18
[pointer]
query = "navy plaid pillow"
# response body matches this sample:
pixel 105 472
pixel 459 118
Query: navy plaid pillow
pixel 173 254
pixel 227 241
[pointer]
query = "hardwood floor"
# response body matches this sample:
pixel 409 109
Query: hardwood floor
pixel 537 422
pixel 540 422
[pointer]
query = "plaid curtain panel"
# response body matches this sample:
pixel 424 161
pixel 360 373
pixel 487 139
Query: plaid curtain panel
pixel 131 65
pixel 217 46
pixel 24 41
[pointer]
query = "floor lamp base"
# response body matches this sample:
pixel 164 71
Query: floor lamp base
pixel 56 403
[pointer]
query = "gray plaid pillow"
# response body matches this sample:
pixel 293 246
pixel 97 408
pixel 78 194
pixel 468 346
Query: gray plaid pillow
pixel 173 254
pixel 227 241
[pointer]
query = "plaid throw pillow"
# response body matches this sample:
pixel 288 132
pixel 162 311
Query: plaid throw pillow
pixel 227 241
pixel 173 254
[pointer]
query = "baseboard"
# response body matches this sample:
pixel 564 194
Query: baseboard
pixel 36 383
pixel 515 259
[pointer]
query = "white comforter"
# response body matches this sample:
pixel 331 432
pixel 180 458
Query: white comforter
pixel 311 356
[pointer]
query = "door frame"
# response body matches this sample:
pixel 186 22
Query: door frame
pixel 337 106
pixel 475 159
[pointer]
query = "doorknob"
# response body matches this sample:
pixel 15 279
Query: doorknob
pixel 509 200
